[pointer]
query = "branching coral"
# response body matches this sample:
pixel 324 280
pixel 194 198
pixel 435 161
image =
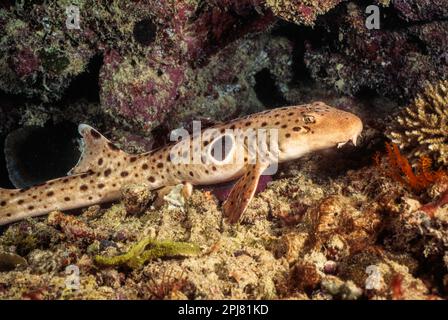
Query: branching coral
pixel 423 127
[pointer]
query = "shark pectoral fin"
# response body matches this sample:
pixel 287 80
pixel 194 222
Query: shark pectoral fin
pixel 242 192
pixel 96 149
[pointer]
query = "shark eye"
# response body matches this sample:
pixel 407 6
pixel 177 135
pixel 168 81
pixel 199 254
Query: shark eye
pixel 309 119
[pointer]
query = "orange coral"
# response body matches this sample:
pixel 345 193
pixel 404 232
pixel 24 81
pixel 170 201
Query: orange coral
pixel 399 169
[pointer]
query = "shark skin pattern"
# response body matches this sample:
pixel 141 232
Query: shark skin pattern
pixel 103 169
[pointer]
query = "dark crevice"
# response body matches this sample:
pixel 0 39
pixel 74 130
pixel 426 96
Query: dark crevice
pixel 300 36
pixel 37 154
pixel 85 85
pixel 267 90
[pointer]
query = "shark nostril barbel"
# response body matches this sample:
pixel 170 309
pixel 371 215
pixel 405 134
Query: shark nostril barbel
pixel 103 170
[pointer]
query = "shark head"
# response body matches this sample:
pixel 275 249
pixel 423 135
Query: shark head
pixel 321 127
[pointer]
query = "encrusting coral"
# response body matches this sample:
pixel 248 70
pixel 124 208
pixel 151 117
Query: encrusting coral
pixel 423 126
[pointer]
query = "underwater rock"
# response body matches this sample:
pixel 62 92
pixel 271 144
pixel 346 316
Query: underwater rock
pixel 10 261
pixel 345 290
pixel 395 61
pixel 136 198
pixel 301 11
pixel 38 59
pixel 155 90
pixel 421 10
pixel 40 54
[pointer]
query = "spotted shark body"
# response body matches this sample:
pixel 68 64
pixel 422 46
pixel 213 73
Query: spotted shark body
pixel 103 169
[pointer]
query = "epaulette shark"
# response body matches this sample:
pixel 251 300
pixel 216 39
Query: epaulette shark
pixel 242 149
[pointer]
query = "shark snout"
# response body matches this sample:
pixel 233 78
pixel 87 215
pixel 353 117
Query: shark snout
pixel 351 127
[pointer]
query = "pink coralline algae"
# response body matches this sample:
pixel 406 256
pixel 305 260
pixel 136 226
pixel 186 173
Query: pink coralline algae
pixel 40 57
pixel 25 63
pixel 159 90
pixel 144 93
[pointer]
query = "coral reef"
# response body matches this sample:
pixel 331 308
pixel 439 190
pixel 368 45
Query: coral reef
pixel 301 11
pixel 421 10
pixel 40 55
pixel 335 225
pixel 396 60
pixel 422 129
pixel 152 91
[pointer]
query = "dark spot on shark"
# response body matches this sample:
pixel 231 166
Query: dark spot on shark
pixel 100 161
pixel 124 174
pixel 145 166
pixel 101 186
pixel 67 198
pixel 50 193
pixel 160 165
pixel 151 179
pixel 83 187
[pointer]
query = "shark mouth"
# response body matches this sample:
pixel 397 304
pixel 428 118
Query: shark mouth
pixel 354 140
